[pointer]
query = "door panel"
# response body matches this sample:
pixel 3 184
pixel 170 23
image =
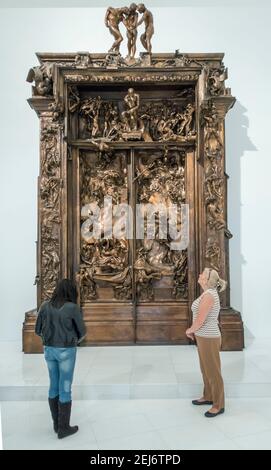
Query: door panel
pixel 161 273
pixel 132 290
pixel 104 260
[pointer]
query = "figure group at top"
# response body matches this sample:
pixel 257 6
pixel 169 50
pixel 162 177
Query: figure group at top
pixel 129 17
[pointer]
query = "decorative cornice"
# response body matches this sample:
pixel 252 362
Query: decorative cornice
pixel 214 59
pixel 223 104
pixel 165 76
pixel 40 104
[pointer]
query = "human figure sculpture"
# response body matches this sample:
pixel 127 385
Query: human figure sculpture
pixel 212 140
pixel 113 17
pixel 42 75
pixel 187 117
pixel 130 23
pixel 130 115
pixel 147 18
pixel 216 80
pixel 90 108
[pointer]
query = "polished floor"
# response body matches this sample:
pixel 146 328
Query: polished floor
pixel 139 398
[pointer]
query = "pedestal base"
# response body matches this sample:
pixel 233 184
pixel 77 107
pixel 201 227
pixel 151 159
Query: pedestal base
pixel 31 342
pixel 231 325
pixel 232 330
pixel 145 59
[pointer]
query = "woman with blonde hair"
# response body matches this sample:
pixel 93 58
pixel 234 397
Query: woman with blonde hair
pixel 205 330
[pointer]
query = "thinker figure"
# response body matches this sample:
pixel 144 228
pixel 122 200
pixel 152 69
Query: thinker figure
pixel 147 17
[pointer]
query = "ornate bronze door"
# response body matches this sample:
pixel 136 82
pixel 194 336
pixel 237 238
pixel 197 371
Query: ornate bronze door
pixel 132 288
pixel 139 132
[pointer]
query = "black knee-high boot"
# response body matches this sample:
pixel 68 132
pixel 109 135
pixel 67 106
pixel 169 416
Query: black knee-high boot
pixel 53 404
pixel 64 414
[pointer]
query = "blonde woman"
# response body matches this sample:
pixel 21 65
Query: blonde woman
pixel 205 330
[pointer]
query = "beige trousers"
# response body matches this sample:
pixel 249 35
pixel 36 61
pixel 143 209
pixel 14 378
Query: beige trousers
pixel 209 358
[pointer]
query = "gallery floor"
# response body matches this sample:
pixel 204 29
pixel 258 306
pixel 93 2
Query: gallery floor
pixel 139 398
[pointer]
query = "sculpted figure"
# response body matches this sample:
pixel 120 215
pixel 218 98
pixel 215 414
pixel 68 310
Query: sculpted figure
pixel 216 80
pixel 43 78
pixel 147 17
pixel 130 23
pixel 113 17
pixel 187 118
pixel 130 116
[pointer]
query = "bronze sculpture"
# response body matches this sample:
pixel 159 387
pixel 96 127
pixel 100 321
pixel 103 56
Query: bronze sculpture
pixel 42 75
pixel 216 80
pixel 113 17
pixel 130 23
pixel 129 116
pixel 162 143
pixel 129 17
pixel 147 18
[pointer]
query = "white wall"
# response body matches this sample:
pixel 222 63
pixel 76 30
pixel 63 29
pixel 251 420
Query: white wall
pixel 243 34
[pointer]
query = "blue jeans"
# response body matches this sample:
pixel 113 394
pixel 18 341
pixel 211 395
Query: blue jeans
pixel 60 362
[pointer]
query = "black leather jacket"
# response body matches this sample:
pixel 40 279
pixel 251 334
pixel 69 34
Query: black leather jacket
pixel 60 327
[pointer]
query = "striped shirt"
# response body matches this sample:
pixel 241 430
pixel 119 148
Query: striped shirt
pixel 210 327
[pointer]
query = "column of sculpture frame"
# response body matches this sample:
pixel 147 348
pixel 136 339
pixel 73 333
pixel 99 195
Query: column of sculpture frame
pixel 51 216
pixel 215 246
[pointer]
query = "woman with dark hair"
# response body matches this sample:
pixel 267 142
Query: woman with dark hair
pixel 61 327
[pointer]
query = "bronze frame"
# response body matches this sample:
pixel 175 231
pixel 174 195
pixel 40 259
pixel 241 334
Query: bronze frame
pixel 198 70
